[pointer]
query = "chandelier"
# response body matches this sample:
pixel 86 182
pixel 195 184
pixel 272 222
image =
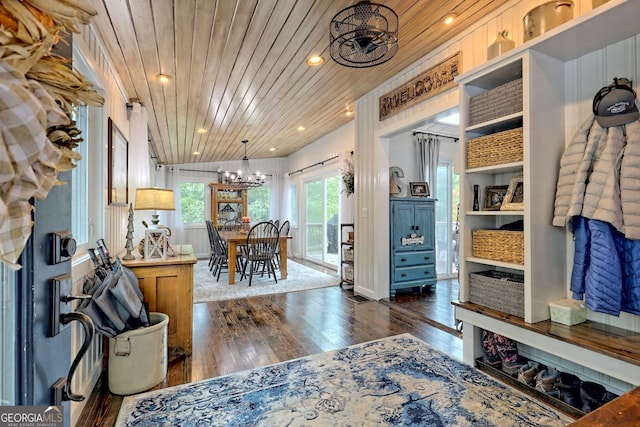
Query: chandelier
pixel 364 35
pixel 244 177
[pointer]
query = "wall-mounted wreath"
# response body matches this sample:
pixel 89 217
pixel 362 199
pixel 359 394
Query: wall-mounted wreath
pixel 348 178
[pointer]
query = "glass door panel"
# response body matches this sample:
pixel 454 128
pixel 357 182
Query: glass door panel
pixel 321 218
pixel 447 194
pixel 314 223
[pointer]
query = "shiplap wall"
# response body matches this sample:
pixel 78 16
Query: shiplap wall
pixel 584 76
pixel 113 220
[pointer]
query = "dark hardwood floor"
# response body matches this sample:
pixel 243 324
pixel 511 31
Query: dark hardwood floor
pixel 235 335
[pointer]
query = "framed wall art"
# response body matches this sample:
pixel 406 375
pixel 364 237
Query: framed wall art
pixel 118 166
pixel 514 199
pixel 494 197
pixel 419 189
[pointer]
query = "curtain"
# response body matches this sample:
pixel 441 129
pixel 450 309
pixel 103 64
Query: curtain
pixel 174 218
pixel 428 148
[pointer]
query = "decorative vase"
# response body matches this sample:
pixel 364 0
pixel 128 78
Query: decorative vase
pixel 501 44
pixel 476 198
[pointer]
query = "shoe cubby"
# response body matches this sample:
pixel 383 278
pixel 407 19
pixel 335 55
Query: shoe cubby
pixel 548 399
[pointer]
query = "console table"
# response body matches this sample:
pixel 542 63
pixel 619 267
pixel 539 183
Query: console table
pixel 167 285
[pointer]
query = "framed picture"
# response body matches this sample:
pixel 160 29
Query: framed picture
pixel 514 199
pixel 494 197
pixel 419 189
pixel 118 166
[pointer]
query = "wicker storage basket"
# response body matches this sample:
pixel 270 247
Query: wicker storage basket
pixel 348 272
pixel 498 290
pixel 347 254
pixel 498 102
pixel 495 149
pixel 499 245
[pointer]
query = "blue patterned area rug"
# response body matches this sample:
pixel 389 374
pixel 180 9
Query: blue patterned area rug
pixel 395 381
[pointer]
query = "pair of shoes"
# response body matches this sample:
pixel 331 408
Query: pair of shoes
pixel 546 381
pixel 508 352
pixel 528 372
pixel 490 352
pixel 569 389
pixel 592 395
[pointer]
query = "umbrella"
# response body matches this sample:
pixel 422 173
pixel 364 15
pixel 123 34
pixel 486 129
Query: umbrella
pixel 116 304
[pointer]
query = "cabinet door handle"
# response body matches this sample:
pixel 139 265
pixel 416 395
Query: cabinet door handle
pixel 403 259
pixel 403 275
pixel 427 273
pixel 417 227
pixel 427 258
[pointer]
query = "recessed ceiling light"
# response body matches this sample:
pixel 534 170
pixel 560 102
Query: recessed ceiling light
pixel 448 20
pixel 196 153
pixel 315 60
pixel 201 130
pixel 301 128
pixel 272 149
pixel 349 113
pixel 164 78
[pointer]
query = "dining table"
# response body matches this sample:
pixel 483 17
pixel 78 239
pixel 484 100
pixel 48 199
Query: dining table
pixel 235 238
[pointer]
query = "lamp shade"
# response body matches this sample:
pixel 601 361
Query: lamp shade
pixel 154 199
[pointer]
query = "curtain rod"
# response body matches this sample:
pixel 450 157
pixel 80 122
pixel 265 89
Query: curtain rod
pixel 433 134
pixel 315 164
pixel 218 172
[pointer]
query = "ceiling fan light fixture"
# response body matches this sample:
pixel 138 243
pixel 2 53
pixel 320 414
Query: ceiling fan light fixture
pixel 363 35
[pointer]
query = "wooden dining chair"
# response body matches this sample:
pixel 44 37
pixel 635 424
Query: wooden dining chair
pixel 260 249
pixel 284 231
pixel 219 258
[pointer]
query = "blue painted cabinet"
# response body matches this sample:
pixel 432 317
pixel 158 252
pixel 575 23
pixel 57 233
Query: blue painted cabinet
pixel 413 250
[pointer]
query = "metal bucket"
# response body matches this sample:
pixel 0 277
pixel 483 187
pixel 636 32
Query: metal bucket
pixel 545 17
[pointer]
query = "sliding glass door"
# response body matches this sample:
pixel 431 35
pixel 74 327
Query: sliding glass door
pixel 322 227
pixel 447 193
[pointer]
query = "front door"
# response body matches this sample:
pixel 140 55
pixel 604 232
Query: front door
pixel 47 358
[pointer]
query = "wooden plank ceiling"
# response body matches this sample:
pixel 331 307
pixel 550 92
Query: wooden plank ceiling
pixel 239 68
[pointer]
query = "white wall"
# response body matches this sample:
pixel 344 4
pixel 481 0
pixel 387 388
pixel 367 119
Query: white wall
pixel 111 223
pixel 375 143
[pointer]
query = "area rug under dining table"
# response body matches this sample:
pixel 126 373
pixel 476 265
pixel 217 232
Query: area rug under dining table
pixel 300 278
pixel 395 381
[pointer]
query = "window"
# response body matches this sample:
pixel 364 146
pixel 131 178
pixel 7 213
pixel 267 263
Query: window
pixel 192 201
pixel 87 196
pixel 80 180
pixel 259 203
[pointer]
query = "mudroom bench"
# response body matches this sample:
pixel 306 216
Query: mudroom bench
pixel 607 349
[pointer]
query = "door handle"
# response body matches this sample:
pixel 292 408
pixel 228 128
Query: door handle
pixel 87 324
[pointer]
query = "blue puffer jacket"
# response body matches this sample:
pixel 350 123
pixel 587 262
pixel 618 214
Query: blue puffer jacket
pixel 606 268
pixel 629 253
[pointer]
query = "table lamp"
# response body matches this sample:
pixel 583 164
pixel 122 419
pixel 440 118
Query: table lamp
pixel 155 237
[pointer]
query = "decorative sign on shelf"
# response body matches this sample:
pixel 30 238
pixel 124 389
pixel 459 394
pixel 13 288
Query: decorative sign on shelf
pixel 429 83
pixel 413 239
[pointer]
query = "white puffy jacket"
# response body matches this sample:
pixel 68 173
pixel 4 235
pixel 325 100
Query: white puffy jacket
pixel 600 177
